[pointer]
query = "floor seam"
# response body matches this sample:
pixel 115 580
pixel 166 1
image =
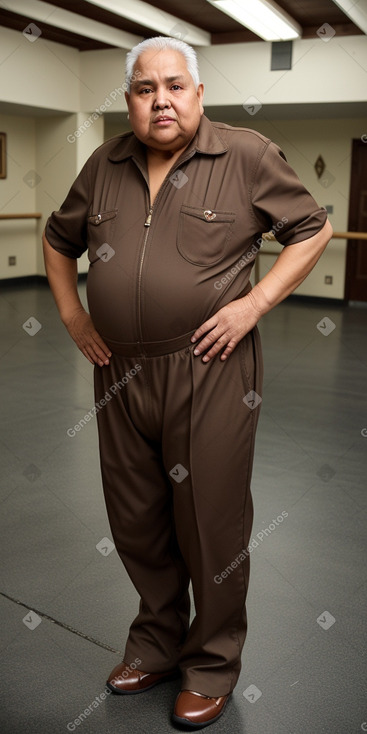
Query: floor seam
pixel 65 626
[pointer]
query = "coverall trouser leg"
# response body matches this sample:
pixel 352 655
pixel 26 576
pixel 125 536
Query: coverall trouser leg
pixel 176 449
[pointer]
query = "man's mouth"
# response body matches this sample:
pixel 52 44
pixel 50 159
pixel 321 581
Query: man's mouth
pixel 163 120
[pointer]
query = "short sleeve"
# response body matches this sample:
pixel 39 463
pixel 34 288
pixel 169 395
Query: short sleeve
pixel 281 202
pixel 66 229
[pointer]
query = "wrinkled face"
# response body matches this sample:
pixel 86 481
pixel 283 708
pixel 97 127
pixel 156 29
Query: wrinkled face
pixel 164 106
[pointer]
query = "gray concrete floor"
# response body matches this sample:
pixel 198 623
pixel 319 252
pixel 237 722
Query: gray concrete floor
pixel 66 607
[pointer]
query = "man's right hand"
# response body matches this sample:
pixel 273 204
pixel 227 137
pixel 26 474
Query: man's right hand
pixel 81 329
pixel 62 273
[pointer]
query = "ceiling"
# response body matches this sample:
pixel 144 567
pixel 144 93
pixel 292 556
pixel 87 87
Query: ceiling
pixel 310 14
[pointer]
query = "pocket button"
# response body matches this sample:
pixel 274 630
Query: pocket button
pixel 209 215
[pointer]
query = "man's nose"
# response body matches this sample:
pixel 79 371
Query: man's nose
pixel 161 100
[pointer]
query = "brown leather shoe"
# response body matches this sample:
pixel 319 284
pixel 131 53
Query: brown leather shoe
pixel 124 680
pixel 195 710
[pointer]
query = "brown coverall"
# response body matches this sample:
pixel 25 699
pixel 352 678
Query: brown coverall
pixel 176 436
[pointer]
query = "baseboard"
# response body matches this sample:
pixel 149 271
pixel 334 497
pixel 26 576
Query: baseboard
pixel 29 280
pixel 317 300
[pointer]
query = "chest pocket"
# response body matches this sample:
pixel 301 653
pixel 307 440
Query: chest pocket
pixel 101 227
pixel 203 234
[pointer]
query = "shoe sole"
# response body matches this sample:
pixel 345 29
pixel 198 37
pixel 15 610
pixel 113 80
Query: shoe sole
pixel 192 725
pixel 121 692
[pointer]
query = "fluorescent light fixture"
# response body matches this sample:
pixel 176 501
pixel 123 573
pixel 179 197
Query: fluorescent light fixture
pixel 38 10
pixel 146 14
pixel 356 11
pixel 263 17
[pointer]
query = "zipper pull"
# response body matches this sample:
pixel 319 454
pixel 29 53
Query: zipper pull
pixel 149 218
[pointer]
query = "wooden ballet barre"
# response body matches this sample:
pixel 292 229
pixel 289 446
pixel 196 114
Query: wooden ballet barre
pixel 349 235
pixel 270 238
pixel 336 235
pixel 37 215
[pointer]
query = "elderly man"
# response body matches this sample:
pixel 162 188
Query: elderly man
pixel 172 214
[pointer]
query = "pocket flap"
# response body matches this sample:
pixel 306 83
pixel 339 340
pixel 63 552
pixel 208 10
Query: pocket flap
pixel 101 217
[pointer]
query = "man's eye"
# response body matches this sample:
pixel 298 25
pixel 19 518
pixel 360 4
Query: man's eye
pixel 176 86
pixel 143 91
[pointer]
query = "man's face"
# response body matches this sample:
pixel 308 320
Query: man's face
pixel 164 106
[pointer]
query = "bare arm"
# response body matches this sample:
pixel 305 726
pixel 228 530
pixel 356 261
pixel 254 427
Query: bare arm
pixel 230 324
pixel 62 276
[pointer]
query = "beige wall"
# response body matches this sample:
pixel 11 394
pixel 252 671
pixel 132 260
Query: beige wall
pixel 18 237
pixel 41 145
pixel 41 166
pixel 321 72
pixel 49 78
pixel 41 74
pixel 302 142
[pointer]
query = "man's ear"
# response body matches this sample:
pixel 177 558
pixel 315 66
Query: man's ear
pixel 200 95
pixel 127 98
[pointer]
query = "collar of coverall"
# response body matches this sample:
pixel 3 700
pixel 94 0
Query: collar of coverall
pixel 206 140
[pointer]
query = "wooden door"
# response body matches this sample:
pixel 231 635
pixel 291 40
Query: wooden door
pixel 356 266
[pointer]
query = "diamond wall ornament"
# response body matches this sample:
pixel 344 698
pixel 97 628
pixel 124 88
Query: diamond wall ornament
pixel 319 166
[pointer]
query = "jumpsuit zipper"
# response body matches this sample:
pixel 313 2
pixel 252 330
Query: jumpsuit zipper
pixel 147 224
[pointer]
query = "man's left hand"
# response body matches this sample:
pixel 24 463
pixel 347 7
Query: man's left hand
pixel 226 328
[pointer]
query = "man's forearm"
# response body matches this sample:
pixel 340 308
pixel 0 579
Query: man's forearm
pixel 62 274
pixel 291 267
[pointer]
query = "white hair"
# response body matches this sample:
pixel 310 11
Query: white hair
pixel 160 43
